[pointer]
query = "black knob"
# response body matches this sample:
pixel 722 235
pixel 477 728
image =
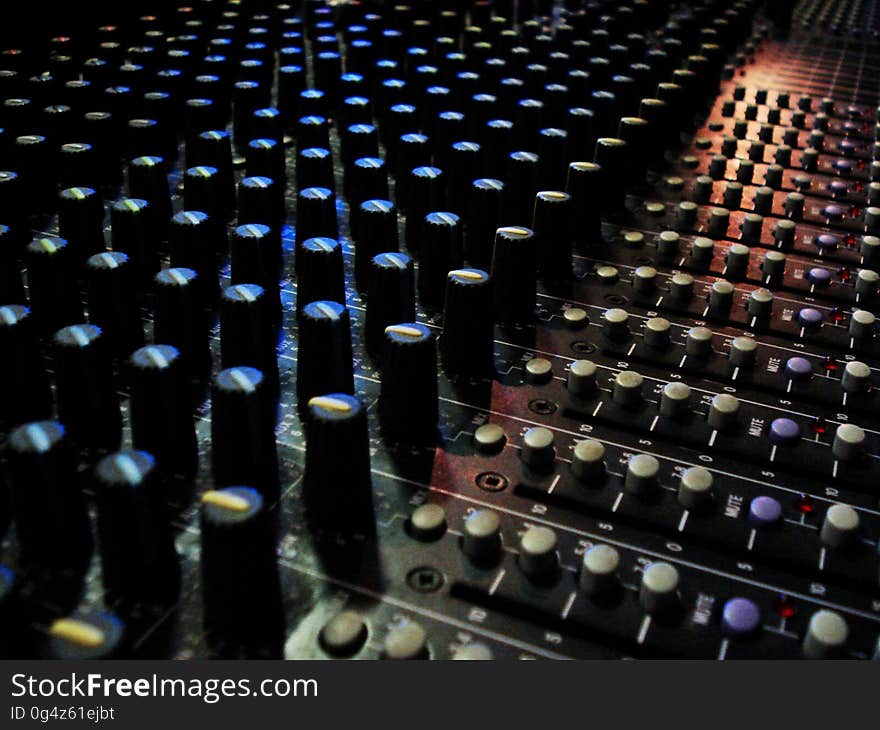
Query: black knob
pixel 584 185
pixel 408 400
pixel 52 283
pixel 179 320
pixel 390 298
pixel 551 224
pixel 240 584
pixel 113 305
pixel 87 400
pixel 11 283
pixel 213 148
pixel 314 168
pixel 25 394
pixel 81 221
pixel 147 179
pixel 316 214
pixel 131 233
pixel 367 180
pixel 426 188
pixel 466 346
pixel 374 230
pixel 514 278
pixel 202 190
pixel 321 272
pixel 324 357
pixel 193 246
pixel 261 200
pixel 49 508
pixel 337 481
pixel 248 335
pixel 243 431
pixel 612 155
pixel 139 564
pixel 85 634
pixel 160 409
pixel 441 252
pixel 483 218
pixel 521 186
pixel 255 253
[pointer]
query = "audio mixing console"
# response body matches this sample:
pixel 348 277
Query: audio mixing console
pixel 442 330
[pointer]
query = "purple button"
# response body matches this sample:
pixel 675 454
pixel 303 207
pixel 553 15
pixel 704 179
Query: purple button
pixel 832 212
pixel 798 368
pixel 740 616
pixel 842 166
pixel 837 187
pixel 810 317
pixel 764 511
pixel 847 145
pixel 819 276
pixel 784 431
pixel 827 242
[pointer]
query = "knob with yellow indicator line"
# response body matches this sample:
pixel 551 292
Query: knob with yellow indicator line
pixel 241 592
pixel 337 481
pixel 466 346
pixel 85 634
pixel 408 405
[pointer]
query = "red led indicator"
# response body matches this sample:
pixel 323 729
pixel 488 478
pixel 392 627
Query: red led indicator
pixel 805 504
pixel 818 425
pixel 785 607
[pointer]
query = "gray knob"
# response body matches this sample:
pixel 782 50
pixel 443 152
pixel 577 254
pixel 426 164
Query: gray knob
pixel 538 451
pixel 849 442
pixel 733 191
pixel 641 474
pixel 675 400
pixel 794 205
pixel 763 205
pixel 719 222
pixel 861 324
pixel 537 552
pixel 742 351
pixel 722 411
pixel 773 264
pixel 702 251
pixel 428 522
pixel 760 303
pixel 482 535
pixel 475 651
pixel 627 389
pixel 657 331
pixel 681 287
pixel 721 296
pixel 870 250
pixel 616 324
pixel 659 589
pixel 344 634
pixel 490 438
pixel 599 570
pixel 588 463
pixel 867 282
pixel 783 234
pixel 644 279
pixel 668 244
pixel 826 636
pixel 686 214
pixel 699 342
pixel 695 487
pixel 406 641
pixel 581 381
pixel 840 526
pixel 539 371
pixel 737 260
pixel 856 377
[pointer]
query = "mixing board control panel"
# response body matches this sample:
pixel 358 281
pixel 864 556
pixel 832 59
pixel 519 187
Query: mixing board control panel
pixel 443 330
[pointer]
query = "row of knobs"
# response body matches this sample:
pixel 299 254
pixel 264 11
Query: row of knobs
pixel 659 590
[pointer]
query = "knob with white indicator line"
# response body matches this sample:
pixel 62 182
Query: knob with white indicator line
pixel 538 556
pixel 695 488
pixel 849 442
